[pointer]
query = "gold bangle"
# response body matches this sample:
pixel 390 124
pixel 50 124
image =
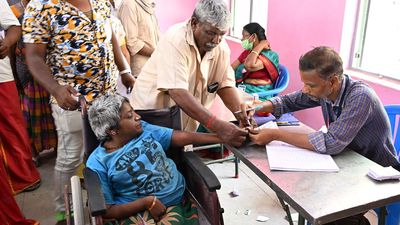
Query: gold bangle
pixel 152 204
pixel 252 51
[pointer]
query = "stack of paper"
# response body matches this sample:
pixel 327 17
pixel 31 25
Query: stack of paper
pixel 282 156
pixel 384 173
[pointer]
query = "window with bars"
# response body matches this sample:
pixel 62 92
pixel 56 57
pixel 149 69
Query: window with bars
pixel 246 11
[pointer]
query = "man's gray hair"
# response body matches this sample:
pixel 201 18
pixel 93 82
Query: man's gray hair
pixel 324 60
pixel 104 115
pixel 215 12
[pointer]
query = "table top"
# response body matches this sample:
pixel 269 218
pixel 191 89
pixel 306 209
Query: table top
pixel 324 197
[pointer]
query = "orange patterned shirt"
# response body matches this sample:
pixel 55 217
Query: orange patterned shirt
pixel 79 50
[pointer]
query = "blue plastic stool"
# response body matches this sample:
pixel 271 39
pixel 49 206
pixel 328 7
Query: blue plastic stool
pixel 393 210
pixel 393 213
pixel 393 112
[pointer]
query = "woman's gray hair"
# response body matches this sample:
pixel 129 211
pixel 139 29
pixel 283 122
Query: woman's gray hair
pixel 104 115
pixel 215 12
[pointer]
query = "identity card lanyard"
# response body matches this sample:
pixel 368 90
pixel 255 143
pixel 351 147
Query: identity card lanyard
pixel 339 111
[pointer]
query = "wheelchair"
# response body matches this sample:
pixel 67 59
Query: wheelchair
pixel 201 182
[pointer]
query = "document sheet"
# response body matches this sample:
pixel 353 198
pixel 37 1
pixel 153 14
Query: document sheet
pixel 282 156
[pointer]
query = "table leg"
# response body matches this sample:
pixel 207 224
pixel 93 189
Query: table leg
pixel 382 216
pixel 301 220
pixel 237 160
pixel 287 210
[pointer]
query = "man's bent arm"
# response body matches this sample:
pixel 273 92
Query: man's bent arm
pixel 119 57
pixel 296 139
pixel 190 105
pixel 230 97
pixel 35 59
pixel 227 132
pixel 127 79
pixel 265 136
pixel 12 36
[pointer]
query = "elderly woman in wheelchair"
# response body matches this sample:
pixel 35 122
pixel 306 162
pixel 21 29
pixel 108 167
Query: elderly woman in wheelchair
pixel 140 184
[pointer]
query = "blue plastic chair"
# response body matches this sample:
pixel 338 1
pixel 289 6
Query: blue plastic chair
pixel 393 210
pixel 393 112
pixel 280 84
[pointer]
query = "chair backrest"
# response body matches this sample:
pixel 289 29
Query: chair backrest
pixel 90 141
pixel 280 84
pixel 393 112
pixel 168 117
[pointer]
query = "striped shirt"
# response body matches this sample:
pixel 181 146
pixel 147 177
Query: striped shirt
pixel 357 120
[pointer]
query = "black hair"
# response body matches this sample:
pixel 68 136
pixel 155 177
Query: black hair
pixel 255 28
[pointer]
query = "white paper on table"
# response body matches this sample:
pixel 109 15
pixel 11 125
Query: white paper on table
pixel 383 173
pixel 270 124
pixel 283 156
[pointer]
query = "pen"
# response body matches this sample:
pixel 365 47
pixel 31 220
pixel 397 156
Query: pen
pixel 284 123
pixel 249 109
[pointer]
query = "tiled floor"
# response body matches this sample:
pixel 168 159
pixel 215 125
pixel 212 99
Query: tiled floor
pixel 38 204
pixel 254 196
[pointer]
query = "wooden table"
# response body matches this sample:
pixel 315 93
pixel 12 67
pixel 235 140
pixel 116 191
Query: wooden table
pixel 323 197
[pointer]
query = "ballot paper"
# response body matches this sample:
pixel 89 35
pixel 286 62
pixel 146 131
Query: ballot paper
pixel 283 156
pixel 383 173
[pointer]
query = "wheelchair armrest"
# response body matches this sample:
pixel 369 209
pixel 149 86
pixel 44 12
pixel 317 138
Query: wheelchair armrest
pixel 202 184
pixel 197 166
pixel 96 200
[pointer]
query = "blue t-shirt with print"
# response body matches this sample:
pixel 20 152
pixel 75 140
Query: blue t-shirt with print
pixel 139 169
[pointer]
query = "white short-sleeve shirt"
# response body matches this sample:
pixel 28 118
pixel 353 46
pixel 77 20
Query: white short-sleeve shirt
pixel 7 19
pixel 176 64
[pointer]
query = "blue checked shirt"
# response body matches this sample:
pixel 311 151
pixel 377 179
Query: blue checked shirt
pixel 356 120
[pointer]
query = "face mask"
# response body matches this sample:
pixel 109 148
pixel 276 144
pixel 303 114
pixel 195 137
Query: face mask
pixel 246 44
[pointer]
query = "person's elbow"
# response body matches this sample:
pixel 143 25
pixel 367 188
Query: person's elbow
pixel 332 149
pixel 250 66
pixel 177 93
pixel 32 60
pixel 235 64
pixel 35 53
pixel 16 32
pixel 134 45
